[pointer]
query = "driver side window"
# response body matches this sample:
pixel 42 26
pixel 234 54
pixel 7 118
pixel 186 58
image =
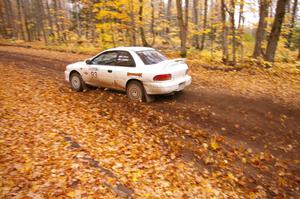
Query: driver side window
pixel 107 58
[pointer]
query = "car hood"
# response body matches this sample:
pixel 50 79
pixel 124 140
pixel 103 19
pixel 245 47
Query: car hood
pixel 75 65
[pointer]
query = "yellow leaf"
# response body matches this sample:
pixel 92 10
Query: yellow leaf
pixel 231 176
pixel 214 145
pixel 134 179
pixel 251 195
pixel 137 174
pixel 71 194
pixel 244 160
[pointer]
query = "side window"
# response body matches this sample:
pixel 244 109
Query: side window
pixel 107 58
pixel 125 59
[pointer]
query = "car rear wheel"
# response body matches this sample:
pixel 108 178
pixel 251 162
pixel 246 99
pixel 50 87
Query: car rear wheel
pixel 136 92
pixel 76 82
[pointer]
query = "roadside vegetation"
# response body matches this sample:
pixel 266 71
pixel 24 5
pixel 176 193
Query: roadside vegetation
pixel 224 32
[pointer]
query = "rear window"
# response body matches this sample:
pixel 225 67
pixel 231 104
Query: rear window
pixel 151 57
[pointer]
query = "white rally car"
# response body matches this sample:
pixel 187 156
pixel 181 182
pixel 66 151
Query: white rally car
pixel 140 71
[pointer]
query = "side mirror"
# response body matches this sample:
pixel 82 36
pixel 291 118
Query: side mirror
pixel 88 61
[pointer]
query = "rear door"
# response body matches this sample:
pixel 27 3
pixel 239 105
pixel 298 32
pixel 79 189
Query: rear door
pixel 124 69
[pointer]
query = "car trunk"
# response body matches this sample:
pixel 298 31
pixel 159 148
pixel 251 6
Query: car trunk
pixel 176 67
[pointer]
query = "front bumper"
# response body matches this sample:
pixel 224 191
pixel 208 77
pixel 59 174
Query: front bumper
pixel 67 76
pixel 165 87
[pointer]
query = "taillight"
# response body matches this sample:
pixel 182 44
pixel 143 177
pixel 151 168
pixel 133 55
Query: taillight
pixel 162 77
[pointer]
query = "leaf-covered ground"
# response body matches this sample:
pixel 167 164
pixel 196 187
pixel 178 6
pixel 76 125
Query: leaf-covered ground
pixel 207 142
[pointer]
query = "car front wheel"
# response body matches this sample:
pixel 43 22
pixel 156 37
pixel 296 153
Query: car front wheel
pixel 76 82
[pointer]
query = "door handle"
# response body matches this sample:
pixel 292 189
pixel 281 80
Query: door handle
pixel 110 71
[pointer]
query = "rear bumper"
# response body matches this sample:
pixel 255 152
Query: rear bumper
pixel 165 87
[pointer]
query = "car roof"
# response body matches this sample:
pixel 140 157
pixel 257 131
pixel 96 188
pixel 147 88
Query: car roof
pixel 132 48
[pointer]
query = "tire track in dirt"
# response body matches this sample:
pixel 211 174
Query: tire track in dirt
pixel 257 123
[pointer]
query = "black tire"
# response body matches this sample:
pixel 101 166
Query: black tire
pixel 76 82
pixel 136 92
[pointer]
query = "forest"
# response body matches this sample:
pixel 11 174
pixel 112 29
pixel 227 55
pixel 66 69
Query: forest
pixel 228 31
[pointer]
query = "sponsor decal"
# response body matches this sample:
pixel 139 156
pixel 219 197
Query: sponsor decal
pixel 135 74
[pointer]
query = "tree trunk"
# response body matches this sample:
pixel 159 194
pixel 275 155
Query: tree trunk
pixel 50 22
pixel 40 15
pixel 196 23
pixel 225 56
pixel 183 25
pixel 9 17
pixel 25 14
pixel 56 16
pixel 233 32
pixel 2 22
pixel 169 6
pixel 292 25
pixel 161 14
pixel 241 28
pixel 133 41
pixel 92 24
pixel 261 29
pixel 276 29
pixel 212 29
pixel 20 20
pixel 62 20
pixel 78 23
pixel 204 25
pixel 152 23
pixel 241 14
pixel 142 32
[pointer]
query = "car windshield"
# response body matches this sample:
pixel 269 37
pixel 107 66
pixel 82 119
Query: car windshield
pixel 151 57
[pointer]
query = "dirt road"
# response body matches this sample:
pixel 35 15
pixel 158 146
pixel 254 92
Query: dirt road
pixel 209 142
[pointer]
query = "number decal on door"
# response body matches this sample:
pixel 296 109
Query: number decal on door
pixel 94 74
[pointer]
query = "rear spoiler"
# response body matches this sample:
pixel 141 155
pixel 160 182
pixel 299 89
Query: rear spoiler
pixel 172 62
